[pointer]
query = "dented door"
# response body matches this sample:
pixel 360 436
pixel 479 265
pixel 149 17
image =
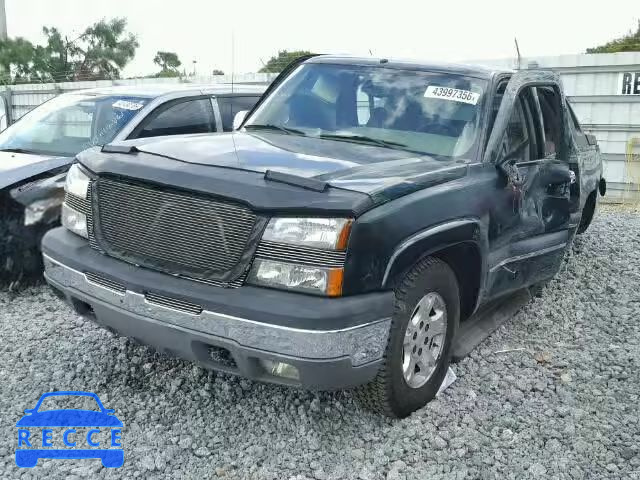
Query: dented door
pixel 528 231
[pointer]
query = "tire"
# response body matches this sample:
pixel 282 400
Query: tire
pixel 390 393
pixel 588 213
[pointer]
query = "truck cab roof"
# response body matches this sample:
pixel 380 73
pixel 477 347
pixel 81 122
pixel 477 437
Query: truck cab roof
pixel 477 71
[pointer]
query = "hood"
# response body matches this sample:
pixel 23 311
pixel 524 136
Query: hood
pixel 69 418
pixel 18 167
pixel 363 168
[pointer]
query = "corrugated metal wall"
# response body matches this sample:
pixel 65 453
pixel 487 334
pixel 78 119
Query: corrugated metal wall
pixel 593 84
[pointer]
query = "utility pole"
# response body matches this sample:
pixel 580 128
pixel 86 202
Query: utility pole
pixel 3 21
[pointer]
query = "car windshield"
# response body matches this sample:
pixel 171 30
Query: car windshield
pixel 430 113
pixel 70 123
pixel 75 402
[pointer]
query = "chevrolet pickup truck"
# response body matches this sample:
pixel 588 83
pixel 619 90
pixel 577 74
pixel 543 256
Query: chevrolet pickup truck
pixel 362 213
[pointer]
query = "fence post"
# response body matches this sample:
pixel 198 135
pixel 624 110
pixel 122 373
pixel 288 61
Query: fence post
pixel 7 106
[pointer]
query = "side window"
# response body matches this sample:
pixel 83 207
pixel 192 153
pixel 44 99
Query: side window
pixel 552 119
pixel 517 142
pixel 229 106
pixel 177 118
pixel 573 120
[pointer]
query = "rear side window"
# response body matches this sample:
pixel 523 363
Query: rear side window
pixel 517 141
pixel 552 118
pixel 573 120
pixel 179 118
pixel 229 106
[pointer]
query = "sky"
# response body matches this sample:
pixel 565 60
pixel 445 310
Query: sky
pixel 439 31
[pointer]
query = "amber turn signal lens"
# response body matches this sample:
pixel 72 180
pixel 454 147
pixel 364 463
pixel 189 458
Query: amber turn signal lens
pixel 343 238
pixel 334 282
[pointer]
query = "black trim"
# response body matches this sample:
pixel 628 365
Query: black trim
pixel 298 181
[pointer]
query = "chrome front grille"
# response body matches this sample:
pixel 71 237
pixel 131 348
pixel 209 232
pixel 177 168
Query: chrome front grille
pixel 105 282
pixel 182 233
pixel 297 254
pixel 78 204
pixel 174 303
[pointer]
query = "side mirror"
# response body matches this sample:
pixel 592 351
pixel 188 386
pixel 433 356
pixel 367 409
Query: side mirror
pixel 30 410
pixel 591 139
pixel 239 118
pixel 109 411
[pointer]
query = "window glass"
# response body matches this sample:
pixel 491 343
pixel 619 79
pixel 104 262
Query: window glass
pixel 433 113
pixel 551 118
pixel 70 123
pixel 517 141
pixel 192 116
pixel 573 120
pixel 229 106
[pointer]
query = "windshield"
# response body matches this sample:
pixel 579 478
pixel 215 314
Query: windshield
pixel 70 123
pixel 431 113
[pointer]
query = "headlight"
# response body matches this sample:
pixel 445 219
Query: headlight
pixel 328 233
pixel 302 278
pixel 77 182
pixel 74 221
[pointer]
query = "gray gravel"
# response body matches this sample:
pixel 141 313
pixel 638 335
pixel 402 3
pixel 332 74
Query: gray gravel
pixel 561 402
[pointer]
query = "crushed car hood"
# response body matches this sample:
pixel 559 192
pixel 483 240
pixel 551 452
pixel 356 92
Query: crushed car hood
pixel 17 167
pixel 358 167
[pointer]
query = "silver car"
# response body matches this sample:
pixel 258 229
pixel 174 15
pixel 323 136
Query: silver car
pixel 36 151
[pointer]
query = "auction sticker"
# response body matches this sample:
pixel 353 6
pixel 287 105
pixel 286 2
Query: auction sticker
pixel 452 94
pixel 126 105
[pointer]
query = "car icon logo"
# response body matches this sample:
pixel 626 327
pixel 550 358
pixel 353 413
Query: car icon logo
pixel 69 433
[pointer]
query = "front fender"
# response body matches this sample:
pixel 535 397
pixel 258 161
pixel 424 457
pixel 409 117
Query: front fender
pixel 41 198
pixel 431 240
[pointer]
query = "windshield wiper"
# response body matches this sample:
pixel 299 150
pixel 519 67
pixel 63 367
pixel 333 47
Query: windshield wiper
pixel 279 128
pixel 16 150
pixel 363 139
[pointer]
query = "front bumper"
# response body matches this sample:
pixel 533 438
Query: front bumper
pixel 332 343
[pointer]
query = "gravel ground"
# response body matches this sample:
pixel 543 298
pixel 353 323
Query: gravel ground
pixel 552 394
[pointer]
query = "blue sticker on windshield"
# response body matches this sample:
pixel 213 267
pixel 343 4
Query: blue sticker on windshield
pixel 69 433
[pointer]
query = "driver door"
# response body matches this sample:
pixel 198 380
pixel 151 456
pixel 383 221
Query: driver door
pixel 529 224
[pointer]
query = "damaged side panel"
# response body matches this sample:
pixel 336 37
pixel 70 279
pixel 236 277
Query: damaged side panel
pixel 41 198
pixel 515 206
pixel 27 211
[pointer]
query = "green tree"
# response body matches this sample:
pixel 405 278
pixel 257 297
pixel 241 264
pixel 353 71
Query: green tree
pixel 100 52
pixel 167 61
pixel 217 71
pixel 627 43
pixel 103 50
pixel 16 59
pixel 279 62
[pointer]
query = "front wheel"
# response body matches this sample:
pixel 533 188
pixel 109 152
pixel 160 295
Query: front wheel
pixel 418 352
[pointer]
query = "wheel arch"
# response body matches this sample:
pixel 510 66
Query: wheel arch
pixel 460 244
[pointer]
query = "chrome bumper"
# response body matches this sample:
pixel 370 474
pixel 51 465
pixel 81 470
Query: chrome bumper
pixel 361 344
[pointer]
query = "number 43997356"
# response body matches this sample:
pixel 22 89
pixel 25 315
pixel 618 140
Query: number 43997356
pixel 453 94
